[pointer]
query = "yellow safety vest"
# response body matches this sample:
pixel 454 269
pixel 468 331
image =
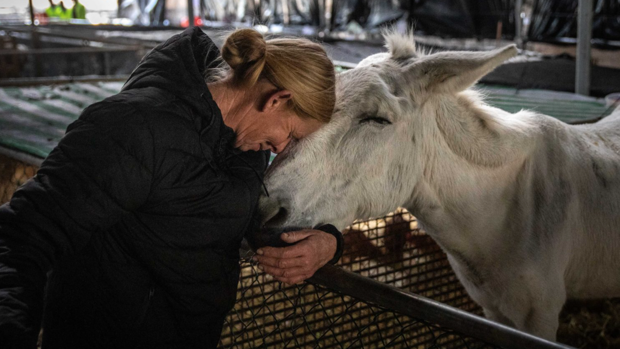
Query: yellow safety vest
pixel 78 11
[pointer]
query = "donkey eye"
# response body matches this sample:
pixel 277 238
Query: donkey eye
pixel 375 119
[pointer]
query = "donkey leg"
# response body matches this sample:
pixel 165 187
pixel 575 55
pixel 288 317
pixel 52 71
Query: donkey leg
pixel 543 323
pixel 543 317
pixel 540 308
pixel 496 316
pixel 538 321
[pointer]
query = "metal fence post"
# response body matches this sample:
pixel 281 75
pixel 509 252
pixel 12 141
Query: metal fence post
pixel 190 12
pixel 518 23
pixel 584 36
pixel 34 36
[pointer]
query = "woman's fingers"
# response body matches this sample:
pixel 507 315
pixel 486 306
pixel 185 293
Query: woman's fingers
pixel 294 280
pixel 293 264
pixel 281 263
pixel 284 273
pixel 295 236
pixel 282 252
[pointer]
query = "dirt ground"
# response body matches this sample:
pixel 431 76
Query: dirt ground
pixel 591 324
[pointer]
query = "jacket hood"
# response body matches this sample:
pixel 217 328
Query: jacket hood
pixel 178 66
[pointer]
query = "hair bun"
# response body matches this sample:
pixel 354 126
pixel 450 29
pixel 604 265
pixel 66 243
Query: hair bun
pixel 244 47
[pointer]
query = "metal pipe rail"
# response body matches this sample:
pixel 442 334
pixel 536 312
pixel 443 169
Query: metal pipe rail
pixel 79 36
pixel 29 82
pixel 67 50
pixel 406 303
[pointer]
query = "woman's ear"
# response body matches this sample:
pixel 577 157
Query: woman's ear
pixel 277 100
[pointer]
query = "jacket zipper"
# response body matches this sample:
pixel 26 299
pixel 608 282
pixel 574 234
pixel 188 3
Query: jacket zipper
pixel 142 318
pixel 146 306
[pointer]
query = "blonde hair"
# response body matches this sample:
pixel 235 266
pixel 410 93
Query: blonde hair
pixel 295 64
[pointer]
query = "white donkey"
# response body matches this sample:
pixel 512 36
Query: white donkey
pixel 526 207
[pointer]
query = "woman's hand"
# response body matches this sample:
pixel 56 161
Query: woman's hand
pixel 294 264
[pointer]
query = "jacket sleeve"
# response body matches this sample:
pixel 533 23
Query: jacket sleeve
pixel 98 172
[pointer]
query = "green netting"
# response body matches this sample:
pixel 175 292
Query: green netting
pixel 33 119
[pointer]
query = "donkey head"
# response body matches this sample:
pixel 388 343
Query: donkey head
pixel 372 156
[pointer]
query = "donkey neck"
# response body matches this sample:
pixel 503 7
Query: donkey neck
pixel 473 131
pixel 473 154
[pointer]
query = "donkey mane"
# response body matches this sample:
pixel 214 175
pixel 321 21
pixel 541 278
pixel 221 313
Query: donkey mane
pixel 483 135
pixel 487 140
pixel 497 119
pixel 401 47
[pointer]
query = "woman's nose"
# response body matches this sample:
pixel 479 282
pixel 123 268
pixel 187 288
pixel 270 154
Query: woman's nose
pixel 278 148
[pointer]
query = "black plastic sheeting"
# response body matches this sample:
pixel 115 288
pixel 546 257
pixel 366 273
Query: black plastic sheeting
pixel 556 20
pixel 143 12
pixel 556 74
pixel 452 18
pixel 446 18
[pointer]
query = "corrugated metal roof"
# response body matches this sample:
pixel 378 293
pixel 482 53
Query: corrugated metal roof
pixel 34 119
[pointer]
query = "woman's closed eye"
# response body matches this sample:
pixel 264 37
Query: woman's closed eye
pixel 375 119
pixel 293 138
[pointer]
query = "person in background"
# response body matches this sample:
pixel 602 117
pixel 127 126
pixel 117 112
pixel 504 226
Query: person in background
pixel 140 210
pixel 78 11
pixel 63 12
pixel 53 11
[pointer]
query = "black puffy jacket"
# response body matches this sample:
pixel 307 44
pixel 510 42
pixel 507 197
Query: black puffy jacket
pixel 138 212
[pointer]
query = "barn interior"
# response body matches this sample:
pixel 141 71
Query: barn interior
pixel 568 67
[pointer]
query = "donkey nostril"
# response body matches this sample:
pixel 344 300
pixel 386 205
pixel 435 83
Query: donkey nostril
pixel 281 214
pixel 278 219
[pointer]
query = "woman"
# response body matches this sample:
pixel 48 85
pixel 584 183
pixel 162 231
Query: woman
pixel 141 208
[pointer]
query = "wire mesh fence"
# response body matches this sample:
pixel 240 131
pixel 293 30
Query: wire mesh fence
pixel 394 250
pixel 391 250
pixel 269 314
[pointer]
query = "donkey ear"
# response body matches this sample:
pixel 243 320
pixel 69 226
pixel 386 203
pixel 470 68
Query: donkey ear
pixel 452 72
